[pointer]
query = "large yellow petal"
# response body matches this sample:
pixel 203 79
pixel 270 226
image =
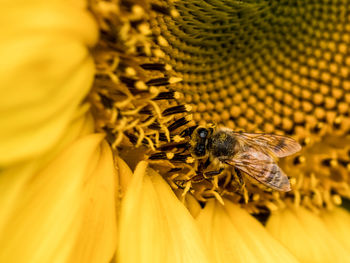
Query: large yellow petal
pixel 154 225
pixel 338 223
pixel 306 236
pixel 45 73
pixel 63 212
pixel 124 175
pixel 77 3
pixel 232 235
pixel 96 241
pixel 82 125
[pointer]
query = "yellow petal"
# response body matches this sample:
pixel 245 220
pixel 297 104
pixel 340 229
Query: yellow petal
pixel 77 3
pixel 123 178
pixel 124 175
pixel 192 205
pixel 232 235
pixel 154 225
pixel 338 223
pixel 47 215
pixel 96 241
pixel 306 236
pixel 45 73
pixel 79 127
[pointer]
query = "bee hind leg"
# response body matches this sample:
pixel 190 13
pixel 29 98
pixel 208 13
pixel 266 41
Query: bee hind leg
pixel 239 176
pixel 242 184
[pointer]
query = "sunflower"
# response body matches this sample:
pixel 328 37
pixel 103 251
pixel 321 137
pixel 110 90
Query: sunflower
pixel 99 101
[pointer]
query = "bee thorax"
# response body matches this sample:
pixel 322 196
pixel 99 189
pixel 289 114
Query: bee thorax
pixel 222 145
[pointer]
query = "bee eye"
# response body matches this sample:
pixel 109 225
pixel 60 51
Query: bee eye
pixel 202 132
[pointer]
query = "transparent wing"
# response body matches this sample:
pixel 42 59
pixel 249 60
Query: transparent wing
pixel 279 145
pixel 262 168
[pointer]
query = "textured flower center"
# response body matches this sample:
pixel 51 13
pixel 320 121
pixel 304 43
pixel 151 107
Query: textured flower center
pixel 256 66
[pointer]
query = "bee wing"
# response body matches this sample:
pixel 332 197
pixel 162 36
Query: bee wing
pixel 262 168
pixel 280 146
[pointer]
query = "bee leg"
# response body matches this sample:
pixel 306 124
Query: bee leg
pixel 198 178
pixel 213 173
pixel 207 163
pixel 181 184
pixel 203 166
pixel 242 183
pixel 239 176
pixel 208 176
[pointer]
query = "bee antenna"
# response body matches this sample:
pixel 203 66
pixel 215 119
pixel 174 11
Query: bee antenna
pixel 212 125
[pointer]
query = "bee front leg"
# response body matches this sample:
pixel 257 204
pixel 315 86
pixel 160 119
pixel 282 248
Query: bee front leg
pixel 213 173
pixel 204 165
pixel 208 176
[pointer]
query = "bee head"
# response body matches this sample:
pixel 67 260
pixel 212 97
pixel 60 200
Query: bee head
pixel 199 141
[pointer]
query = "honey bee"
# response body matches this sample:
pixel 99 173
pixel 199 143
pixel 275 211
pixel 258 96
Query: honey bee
pixel 253 154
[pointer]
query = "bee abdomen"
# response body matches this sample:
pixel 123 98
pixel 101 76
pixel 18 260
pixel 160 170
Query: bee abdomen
pixel 275 178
